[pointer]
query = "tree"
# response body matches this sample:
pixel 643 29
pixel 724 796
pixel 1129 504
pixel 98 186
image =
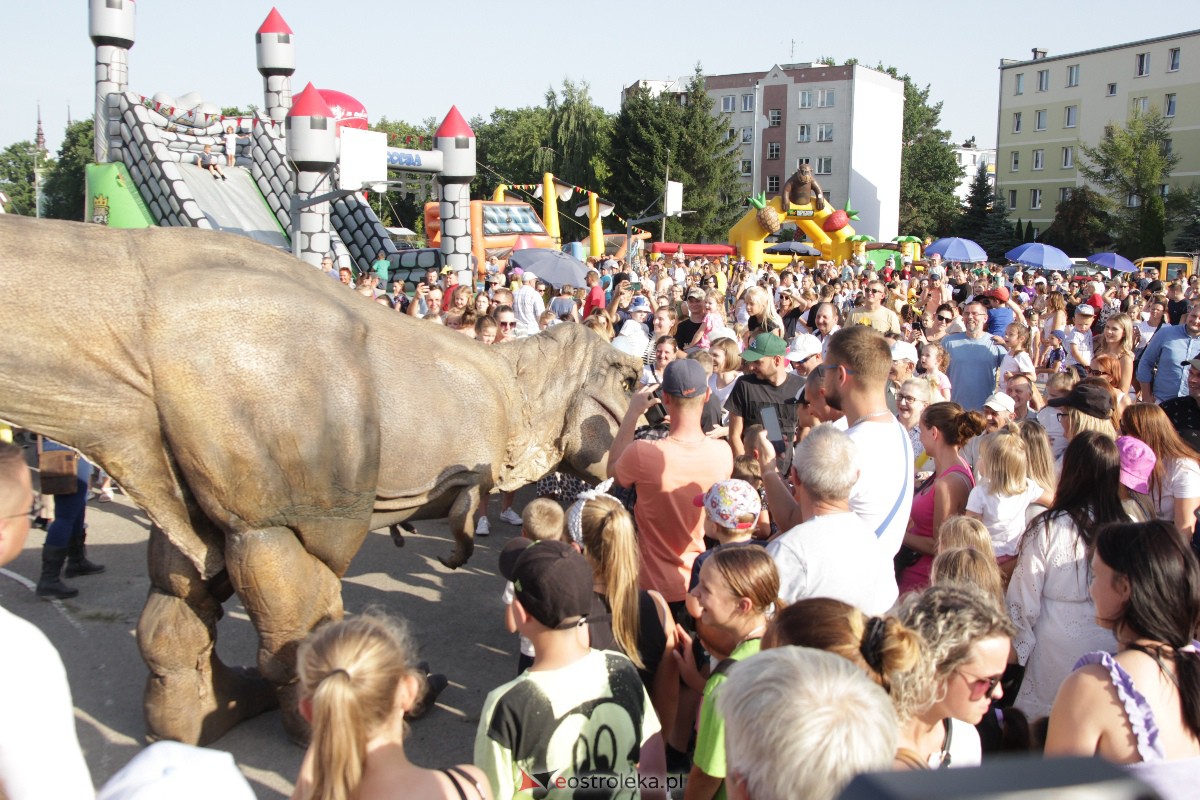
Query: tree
pixel 929 172
pixel 973 220
pixel 705 161
pixel 66 183
pixel 996 237
pixel 16 177
pixel 510 148
pixel 234 111
pixel 576 148
pixel 682 128
pixel 1131 164
pixel 1082 223
pixel 1188 204
pixel 1027 236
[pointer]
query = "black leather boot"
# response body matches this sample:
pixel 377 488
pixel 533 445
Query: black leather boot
pixel 50 585
pixel 77 560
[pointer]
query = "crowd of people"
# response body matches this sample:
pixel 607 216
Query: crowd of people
pixel 857 519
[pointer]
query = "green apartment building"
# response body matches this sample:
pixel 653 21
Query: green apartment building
pixel 1050 105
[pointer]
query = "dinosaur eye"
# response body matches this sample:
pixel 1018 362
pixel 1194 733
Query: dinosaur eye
pixel 629 384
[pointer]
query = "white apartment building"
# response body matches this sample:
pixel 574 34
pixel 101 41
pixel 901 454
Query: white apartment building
pixel 1051 105
pixel 969 157
pixel 844 121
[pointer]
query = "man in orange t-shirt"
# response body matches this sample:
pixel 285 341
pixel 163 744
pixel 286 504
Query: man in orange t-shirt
pixel 668 475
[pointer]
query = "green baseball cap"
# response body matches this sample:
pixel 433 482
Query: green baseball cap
pixel 764 345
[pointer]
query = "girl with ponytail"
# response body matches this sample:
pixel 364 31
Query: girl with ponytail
pixel 357 680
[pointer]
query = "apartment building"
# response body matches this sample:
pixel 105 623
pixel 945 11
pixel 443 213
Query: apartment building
pixel 1052 105
pixel 844 121
pixel 970 156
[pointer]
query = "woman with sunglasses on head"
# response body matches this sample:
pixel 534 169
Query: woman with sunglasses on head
pixel 1141 707
pixel 968 638
pixel 1048 593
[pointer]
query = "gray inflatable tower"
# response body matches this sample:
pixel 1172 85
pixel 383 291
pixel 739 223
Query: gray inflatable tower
pixel 111 26
pixel 276 63
pixel 456 141
pixel 312 147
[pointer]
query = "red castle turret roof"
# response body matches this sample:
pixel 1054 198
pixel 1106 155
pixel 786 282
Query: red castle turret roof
pixel 274 24
pixel 309 103
pixel 454 125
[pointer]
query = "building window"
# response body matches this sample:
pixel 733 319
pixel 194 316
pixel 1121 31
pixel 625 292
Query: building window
pixel 747 135
pixel 772 183
pixel 1111 91
pixel 824 166
pixel 774 118
pixel 1012 198
pixel 1016 122
pixel 804 133
pixel 747 166
pixel 1169 105
pixel 802 160
pixel 1173 60
pixel 730 133
pixel 825 132
pixel 1164 189
pixel 1070 116
pixel 1039 159
pixel 1020 83
pixel 1016 160
pixel 1132 200
pixel 727 103
pixel 1141 105
pixel 805 98
pixel 1039 120
pixel 1064 194
pixel 1068 157
pixel 1035 199
pixel 1168 147
pixel 747 102
pixel 1073 75
pixel 1142 65
pixel 825 98
pixel 1043 80
pixel 773 151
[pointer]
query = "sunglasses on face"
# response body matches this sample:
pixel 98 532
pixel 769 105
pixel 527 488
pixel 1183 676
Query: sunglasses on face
pixel 507 325
pixel 946 320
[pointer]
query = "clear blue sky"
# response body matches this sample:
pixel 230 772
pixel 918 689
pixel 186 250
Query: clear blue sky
pixel 413 60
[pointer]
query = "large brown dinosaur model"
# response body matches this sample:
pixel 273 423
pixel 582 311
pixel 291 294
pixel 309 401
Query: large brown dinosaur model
pixel 266 419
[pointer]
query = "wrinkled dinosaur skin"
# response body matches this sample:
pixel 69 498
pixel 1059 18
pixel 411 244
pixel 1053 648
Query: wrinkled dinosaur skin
pixel 266 419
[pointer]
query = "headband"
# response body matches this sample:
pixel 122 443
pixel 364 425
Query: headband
pixel 575 513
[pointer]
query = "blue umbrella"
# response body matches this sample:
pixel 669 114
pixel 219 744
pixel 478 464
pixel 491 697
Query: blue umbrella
pixel 1112 261
pixel 1045 256
pixel 1015 253
pixel 955 249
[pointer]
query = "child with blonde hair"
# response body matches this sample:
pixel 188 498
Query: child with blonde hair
pixel 964 531
pixel 934 360
pixel 1005 489
pixel 542 519
pixel 968 568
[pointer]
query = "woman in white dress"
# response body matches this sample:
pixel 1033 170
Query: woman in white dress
pixel 1048 596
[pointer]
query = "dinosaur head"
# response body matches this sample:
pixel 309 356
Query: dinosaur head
pixel 598 401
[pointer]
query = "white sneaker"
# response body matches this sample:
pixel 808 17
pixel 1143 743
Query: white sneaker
pixel 510 516
pixel 482 528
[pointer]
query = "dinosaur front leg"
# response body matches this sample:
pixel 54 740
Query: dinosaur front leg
pixel 287 592
pixel 462 523
pixel 191 696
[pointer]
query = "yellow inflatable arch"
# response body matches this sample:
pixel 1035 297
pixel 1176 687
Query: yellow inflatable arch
pixel 748 234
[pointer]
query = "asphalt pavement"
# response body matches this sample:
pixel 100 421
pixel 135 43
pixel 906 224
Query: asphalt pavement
pixel 455 615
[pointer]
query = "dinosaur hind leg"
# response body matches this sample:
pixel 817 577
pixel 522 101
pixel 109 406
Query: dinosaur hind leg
pixel 191 696
pixel 287 591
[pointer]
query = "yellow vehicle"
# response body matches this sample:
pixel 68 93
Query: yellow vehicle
pixel 1170 268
